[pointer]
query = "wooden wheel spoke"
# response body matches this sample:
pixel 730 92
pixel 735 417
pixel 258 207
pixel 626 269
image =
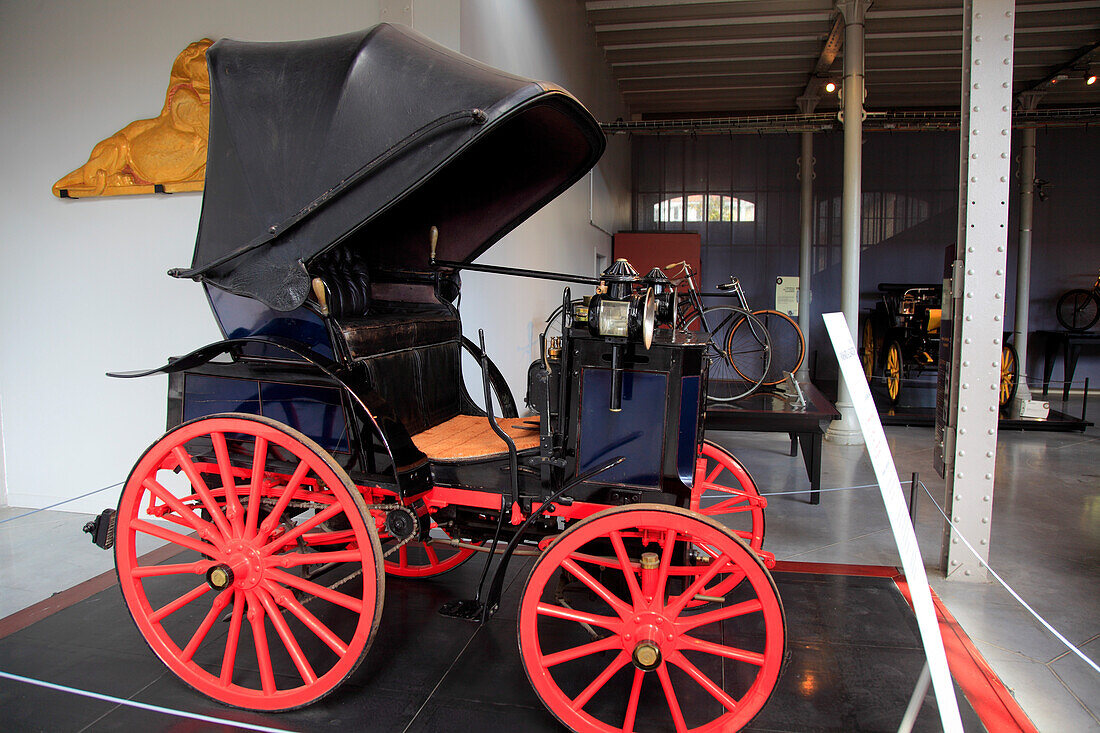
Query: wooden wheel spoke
pixel 433 558
pixel 176 538
pixel 229 484
pixel 295 559
pixel 632 701
pixel 219 604
pixel 686 623
pixel 705 682
pixel 320 591
pixel 581 617
pixel 666 562
pixel 276 515
pixel 201 489
pixel 255 486
pixel 601 679
pixel 205 529
pixel 194 568
pixel 677 606
pixel 168 609
pixel 714 474
pixel 628 570
pixel 402 556
pixel 305 669
pixel 720 650
pixel 232 639
pixel 597 587
pixel 737 503
pixel 670 697
pixel 259 640
pixel 342 536
pixel 320 517
pixel 290 603
pixel 584 650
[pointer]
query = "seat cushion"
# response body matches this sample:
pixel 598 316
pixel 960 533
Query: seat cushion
pixel 470 437
pixel 379 334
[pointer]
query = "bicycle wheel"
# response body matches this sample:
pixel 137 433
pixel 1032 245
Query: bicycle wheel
pixel 788 346
pixel 738 358
pixel 1077 310
pixel 1009 374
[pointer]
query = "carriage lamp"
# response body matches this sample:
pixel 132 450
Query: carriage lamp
pixel 619 314
pixel 663 293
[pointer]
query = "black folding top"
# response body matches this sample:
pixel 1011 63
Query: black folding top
pixel 370 139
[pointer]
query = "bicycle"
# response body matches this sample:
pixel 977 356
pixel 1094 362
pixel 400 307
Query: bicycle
pixel 1079 309
pixel 739 344
pixel 788 343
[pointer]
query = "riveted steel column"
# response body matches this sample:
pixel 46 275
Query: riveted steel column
pixel 805 248
pixel 985 135
pixel 846 430
pixel 1023 266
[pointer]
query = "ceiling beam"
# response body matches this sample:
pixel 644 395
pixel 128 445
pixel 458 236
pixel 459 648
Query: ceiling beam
pixel 1078 65
pixel 829 50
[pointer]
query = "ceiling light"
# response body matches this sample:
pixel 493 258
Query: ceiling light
pixel 1090 79
pixel 830 87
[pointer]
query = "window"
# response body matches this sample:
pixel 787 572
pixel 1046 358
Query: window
pixel 704 207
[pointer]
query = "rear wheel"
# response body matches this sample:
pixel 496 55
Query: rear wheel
pixel 787 345
pixel 724 490
pixel 426 559
pixel 609 637
pixel 1077 310
pixel 1009 374
pixel 251 505
pixel 892 371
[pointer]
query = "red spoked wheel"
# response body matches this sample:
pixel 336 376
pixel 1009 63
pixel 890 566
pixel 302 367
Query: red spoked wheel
pixel 425 559
pixel 608 636
pixel 278 588
pixel 724 490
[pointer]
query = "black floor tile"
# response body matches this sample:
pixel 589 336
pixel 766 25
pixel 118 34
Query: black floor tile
pixel 854 656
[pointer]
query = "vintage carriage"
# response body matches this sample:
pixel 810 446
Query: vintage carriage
pixel 328 441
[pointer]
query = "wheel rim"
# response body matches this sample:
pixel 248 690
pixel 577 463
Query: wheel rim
pixel 724 490
pixel 425 559
pixel 637 667
pixel 250 540
pixel 1077 310
pixel 892 371
pixel 1008 374
pixel 867 349
pixel 787 346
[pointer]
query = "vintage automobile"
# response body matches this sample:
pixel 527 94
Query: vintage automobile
pixel 328 442
pixel 900 340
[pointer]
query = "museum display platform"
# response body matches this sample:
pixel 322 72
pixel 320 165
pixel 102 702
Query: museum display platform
pixel 854 657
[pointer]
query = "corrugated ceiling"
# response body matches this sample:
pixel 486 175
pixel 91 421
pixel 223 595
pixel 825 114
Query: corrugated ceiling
pixel 698 58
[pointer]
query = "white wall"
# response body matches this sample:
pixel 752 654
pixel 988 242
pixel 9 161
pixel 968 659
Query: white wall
pixel 84 283
pixel 547 40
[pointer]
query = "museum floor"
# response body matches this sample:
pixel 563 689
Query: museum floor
pixel 1045 543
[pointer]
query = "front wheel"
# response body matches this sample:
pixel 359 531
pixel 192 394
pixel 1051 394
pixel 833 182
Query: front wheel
pixel 251 506
pixel 1077 310
pixel 868 354
pixel 788 347
pixel 738 357
pixel 611 633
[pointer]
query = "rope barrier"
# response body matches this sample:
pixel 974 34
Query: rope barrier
pixel 1007 587
pixel 142 705
pixel 51 506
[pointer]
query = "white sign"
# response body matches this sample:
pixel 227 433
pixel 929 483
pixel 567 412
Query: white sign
pixel 786 295
pixel 887 474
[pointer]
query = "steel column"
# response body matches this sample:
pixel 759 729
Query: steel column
pixel 985 136
pixel 805 248
pixel 1023 266
pixel 846 430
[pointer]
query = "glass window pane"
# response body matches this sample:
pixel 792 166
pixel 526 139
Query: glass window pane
pixel 714 207
pixel 748 211
pixel 695 207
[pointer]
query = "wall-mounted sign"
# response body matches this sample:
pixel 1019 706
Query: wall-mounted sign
pixel 165 154
pixel 786 295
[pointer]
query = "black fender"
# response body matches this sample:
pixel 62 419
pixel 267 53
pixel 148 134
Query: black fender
pixel 409 462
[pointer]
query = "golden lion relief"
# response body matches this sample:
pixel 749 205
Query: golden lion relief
pixel 164 154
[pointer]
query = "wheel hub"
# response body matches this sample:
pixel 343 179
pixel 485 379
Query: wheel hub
pixel 646 632
pixel 245 565
pixel 646 656
pixel 219 577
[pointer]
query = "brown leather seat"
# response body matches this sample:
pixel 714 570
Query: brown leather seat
pixel 470 437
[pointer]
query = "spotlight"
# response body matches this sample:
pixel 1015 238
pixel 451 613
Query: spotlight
pixel 830 87
pixel 1090 79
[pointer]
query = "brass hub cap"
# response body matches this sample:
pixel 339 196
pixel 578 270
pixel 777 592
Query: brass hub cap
pixel 219 577
pixel 646 656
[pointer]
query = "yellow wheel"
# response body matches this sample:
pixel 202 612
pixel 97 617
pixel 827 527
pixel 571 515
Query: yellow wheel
pixel 892 371
pixel 867 348
pixel 1009 374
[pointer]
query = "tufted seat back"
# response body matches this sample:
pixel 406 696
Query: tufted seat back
pixel 348 282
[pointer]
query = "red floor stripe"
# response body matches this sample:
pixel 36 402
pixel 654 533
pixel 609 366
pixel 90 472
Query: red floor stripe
pixel 825 568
